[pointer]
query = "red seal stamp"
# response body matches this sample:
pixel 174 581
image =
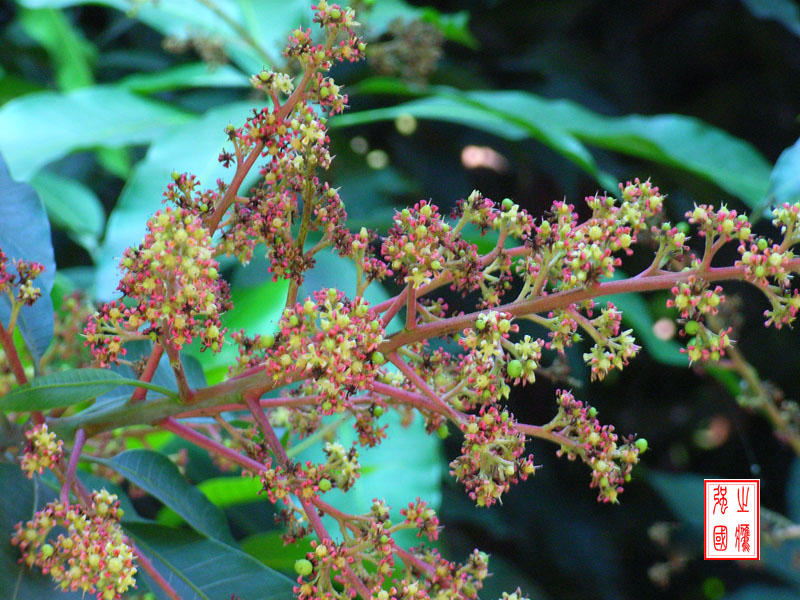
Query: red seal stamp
pixel 732 519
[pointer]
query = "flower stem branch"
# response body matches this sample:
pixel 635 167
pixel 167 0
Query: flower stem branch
pixel 155 575
pixel 140 393
pixel 74 457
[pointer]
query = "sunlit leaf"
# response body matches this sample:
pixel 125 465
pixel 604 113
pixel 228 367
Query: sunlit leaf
pixel 39 128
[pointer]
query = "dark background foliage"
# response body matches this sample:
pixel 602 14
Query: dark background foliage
pixel 714 60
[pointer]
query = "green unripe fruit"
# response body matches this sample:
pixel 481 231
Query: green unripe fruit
pixel 592 412
pixel 267 341
pixel 508 203
pixel 514 369
pixel 378 358
pixel 303 567
pixel 683 227
pixel 48 550
pixel 176 175
pixel 324 484
pixel 443 432
pixel 377 410
pixel 327 405
pixel 480 325
pixel 335 14
pixel 641 445
pixel 692 327
pixel 762 244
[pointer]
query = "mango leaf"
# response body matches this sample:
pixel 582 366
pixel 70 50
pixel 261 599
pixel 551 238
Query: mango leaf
pixel 66 388
pixel 265 22
pixel 786 12
pixel 84 118
pixel 69 51
pixel 71 206
pixel 784 181
pixel 192 147
pixel 25 234
pixel 456 108
pixel 221 492
pixel 269 549
pixel 185 76
pixel 674 140
pixel 159 477
pixel 21 497
pixel 163 377
pixel 200 568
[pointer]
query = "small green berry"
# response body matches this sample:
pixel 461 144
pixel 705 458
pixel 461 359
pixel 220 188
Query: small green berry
pixel 303 567
pixel 692 327
pixel 514 369
pixel 378 358
pixel 443 432
pixel 507 203
pixel 641 445
pixel 324 484
pixel 377 410
pixel 480 324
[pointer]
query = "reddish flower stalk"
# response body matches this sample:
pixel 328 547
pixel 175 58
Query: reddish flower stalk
pixel 146 564
pixel 12 356
pixel 190 435
pixel 140 393
pixel 74 457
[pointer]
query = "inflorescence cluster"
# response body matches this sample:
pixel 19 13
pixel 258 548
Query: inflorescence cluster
pixel 91 554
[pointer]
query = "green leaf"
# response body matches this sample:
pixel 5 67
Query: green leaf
pixel 193 75
pixel 25 234
pixel 21 497
pixel 39 128
pixel 69 51
pixel 221 492
pixel 786 12
pixel 784 182
pixel 71 206
pixel 674 140
pixel 192 147
pixel 159 477
pixel 61 389
pixel 206 569
pixel 269 549
pixel 265 21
